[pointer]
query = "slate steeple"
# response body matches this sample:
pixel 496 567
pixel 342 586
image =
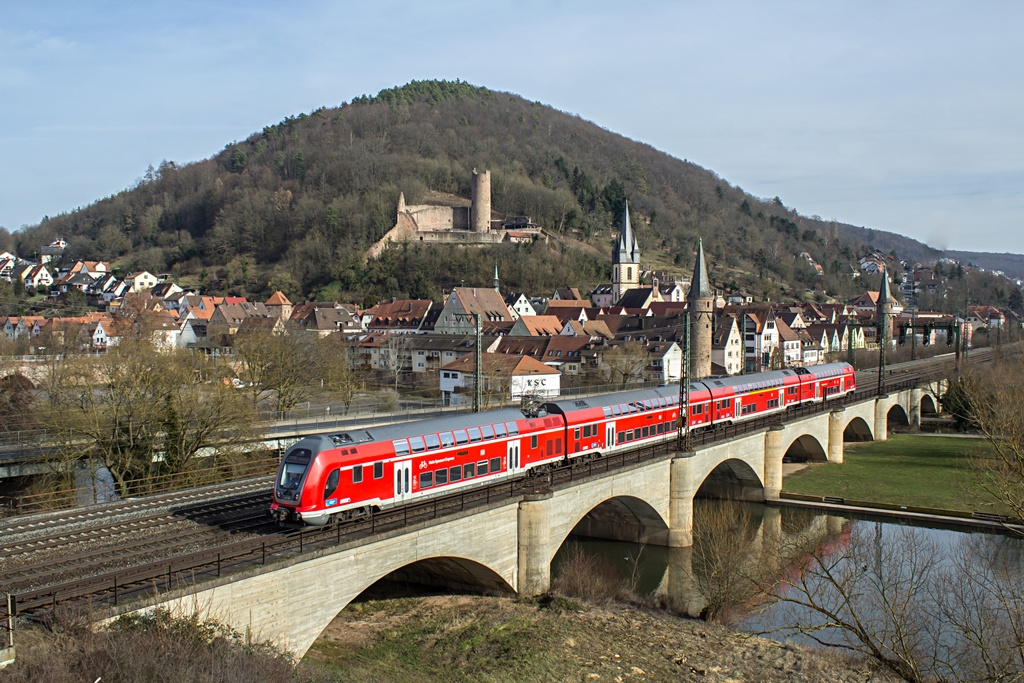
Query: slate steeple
pixel 627 250
pixel 699 285
pixel 700 303
pixel 625 259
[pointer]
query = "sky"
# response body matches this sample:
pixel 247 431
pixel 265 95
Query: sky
pixel 900 116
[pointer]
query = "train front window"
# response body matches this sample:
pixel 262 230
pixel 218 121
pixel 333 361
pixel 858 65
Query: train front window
pixel 295 464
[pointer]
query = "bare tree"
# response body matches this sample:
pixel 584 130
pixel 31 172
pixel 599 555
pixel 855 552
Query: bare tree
pixel 336 362
pixel 135 403
pixel 279 365
pixel 395 357
pixel 625 362
pixel 989 399
pixel 869 597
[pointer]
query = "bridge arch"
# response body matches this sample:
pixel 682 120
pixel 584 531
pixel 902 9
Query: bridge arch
pixel 928 405
pixel 896 416
pixel 621 518
pixel 805 448
pixel 731 479
pixel 857 429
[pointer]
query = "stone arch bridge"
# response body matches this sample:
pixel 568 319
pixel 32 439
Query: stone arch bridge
pixel 508 546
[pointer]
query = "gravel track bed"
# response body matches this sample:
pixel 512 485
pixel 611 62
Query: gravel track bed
pixel 19 529
pixel 102 555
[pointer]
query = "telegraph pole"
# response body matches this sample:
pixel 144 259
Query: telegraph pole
pixel 478 358
pixel 683 437
pixel 913 333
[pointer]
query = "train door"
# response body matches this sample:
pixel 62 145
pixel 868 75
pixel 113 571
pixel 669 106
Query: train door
pixel 609 435
pixel 403 480
pixel 515 464
pixel 817 390
pixel 737 405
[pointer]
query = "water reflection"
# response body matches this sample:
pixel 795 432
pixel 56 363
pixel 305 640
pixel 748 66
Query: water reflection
pixel 740 548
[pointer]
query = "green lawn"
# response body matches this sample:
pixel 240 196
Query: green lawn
pixel 923 471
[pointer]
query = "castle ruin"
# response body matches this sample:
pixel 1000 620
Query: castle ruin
pixel 454 220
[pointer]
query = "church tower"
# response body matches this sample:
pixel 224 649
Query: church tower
pixel 885 311
pixel 700 303
pixel 625 259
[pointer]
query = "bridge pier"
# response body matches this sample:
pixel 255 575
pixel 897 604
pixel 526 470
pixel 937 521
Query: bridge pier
pixel 682 488
pixel 881 427
pixel 916 394
pixel 534 570
pixel 836 425
pixel 773 453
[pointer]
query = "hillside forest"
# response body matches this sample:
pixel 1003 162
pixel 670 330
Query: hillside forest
pixel 295 206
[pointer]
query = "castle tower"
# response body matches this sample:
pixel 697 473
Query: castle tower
pixel 480 220
pixel 625 259
pixel 700 301
pixel 885 310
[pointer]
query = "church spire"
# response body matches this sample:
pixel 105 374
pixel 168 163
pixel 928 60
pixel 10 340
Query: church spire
pixel 627 250
pixel 700 287
pixel 496 277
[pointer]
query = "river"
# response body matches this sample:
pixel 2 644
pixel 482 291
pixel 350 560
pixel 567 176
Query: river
pixel 942 595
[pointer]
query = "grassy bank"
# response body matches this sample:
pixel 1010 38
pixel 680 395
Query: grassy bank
pixel 467 639
pixel 908 469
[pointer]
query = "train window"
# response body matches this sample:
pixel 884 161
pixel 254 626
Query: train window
pixel 499 430
pixel 513 428
pixel 481 468
pixel 576 433
pixel 378 470
pixel 357 474
pixel 616 411
pixel 455 474
pixel 441 477
pixel 647 432
pixel 487 431
pixel 401 447
pixel 533 442
pixel 468 470
pixel 417 444
pixel 332 483
pixel 432 441
pixel 460 437
pixel 607 412
pixel 586 431
pixel 495 465
pixel 474 435
pixel 447 440
pixel 620 437
pixel 426 480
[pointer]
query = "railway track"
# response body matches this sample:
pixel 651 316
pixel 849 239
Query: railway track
pixel 164 561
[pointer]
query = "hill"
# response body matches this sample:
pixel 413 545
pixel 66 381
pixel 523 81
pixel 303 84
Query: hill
pixel 296 205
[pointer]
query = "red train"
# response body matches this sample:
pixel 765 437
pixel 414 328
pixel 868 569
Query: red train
pixel 341 476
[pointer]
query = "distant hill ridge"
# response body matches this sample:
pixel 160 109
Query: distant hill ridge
pixel 297 204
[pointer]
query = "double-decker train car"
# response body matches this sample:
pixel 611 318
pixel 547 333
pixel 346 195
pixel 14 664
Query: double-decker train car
pixel 345 475
pixel 598 425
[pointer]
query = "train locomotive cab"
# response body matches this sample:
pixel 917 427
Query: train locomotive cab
pixel 292 496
